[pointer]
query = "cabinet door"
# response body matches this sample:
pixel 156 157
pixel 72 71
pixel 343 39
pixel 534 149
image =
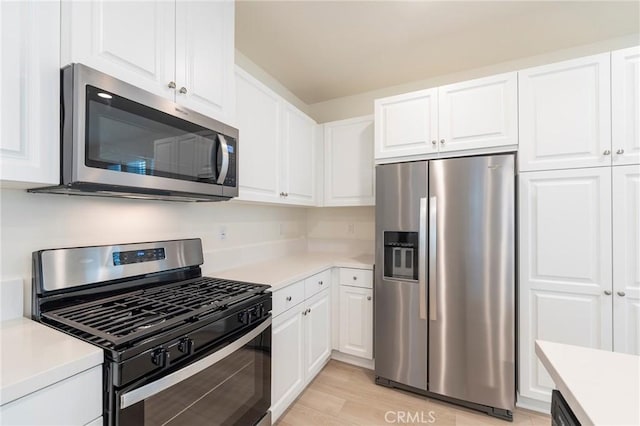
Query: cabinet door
pixel 348 162
pixel 356 321
pixel 406 124
pixel 317 333
pixel 299 172
pixel 625 104
pixel 565 114
pixel 30 92
pixel 258 118
pixel 205 57
pixel 565 266
pixel 287 359
pixel 132 41
pixel 480 113
pixel 626 259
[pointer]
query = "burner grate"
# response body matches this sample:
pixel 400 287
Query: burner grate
pixel 121 319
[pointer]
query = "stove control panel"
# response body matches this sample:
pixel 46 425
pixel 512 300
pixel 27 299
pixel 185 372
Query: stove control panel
pixel 137 256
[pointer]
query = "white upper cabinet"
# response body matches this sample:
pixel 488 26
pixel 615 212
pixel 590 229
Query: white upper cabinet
pixel 626 259
pixel 625 98
pixel 471 115
pixel 277 146
pixel 348 162
pixel 29 93
pixel 205 57
pixel 180 50
pixel 480 113
pixel 258 118
pixel 565 114
pixel 406 124
pixel 298 179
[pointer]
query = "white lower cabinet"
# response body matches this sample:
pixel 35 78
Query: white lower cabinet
pixel 579 264
pixel 76 400
pixel 356 321
pixel 301 340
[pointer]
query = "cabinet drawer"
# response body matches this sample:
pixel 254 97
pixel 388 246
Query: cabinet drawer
pixel 316 283
pixel 356 277
pixel 287 297
pixel 73 401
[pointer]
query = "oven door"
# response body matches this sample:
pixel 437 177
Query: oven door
pixel 229 386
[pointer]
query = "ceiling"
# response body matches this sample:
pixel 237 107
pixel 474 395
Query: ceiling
pixel 322 50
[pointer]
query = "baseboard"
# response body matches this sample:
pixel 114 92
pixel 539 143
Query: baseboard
pixel 533 404
pixel 354 360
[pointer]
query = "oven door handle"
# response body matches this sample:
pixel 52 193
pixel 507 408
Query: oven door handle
pixel 146 391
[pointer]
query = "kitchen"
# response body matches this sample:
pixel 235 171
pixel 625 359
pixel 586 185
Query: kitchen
pixel 306 177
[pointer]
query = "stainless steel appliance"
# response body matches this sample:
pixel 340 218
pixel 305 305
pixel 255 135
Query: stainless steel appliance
pixel 119 140
pixel 445 280
pixel 179 348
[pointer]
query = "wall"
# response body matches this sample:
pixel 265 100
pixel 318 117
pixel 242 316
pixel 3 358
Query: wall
pixel 362 104
pixel 31 222
pixel 341 229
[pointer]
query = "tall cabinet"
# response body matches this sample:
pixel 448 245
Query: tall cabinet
pixel 579 186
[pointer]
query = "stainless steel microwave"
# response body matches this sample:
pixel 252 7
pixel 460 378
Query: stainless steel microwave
pixel 121 141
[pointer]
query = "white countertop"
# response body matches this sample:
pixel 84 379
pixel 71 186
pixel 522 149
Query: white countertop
pixel 601 387
pixel 283 271
pixel 33 356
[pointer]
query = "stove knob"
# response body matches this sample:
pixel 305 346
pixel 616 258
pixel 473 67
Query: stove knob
pixel 243 317
pixel 186 346
pixel 160 357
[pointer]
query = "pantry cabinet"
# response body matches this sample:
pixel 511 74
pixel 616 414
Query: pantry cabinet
pixel 625 102
pixel 579 264
pixel 472 115
pixel 348 162
pixel 626 259
pixel 29 93
pixel 301 337
pixel 183 51
pixel 277 146
pixel 565 114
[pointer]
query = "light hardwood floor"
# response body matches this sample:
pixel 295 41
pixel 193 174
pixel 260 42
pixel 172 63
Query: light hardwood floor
pixel 343 394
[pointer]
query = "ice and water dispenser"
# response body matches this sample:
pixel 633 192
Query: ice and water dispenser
pixel 401 255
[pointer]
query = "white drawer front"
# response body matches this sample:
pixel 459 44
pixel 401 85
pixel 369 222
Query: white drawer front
pixel 73 401
pixel 356 277
pixel 287 297
pixel 317 283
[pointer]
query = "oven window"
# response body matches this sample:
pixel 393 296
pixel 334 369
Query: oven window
pixel 234 391
pixel 126 136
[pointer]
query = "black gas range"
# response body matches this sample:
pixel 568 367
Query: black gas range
pixel 180 348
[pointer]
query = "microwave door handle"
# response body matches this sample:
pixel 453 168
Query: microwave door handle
pixel 225 160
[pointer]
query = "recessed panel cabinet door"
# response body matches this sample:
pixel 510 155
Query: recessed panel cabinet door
pixel 565 266
pixel 287 359
pixel 406 124
pixel 625 98
pixel 205 57
pixel 626 259
pixel 318 333
pixel 480 113
pixel 298 136
pixel 30 92
pixel 258 118
pixel 356 321
pixel 565 114
pixel 130 40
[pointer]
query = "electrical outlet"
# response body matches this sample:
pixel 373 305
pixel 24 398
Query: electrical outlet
pixel 351 228
pixel 223 233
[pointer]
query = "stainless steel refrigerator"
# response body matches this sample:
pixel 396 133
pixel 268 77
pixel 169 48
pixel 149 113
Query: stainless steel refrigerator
pixel 445 280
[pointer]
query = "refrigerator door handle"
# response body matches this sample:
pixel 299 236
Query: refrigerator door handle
pixel 433 238
pixel 422 262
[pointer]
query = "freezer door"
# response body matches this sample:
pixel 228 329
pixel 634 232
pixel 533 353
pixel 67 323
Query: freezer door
pixel 472 279
pixel 400 324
